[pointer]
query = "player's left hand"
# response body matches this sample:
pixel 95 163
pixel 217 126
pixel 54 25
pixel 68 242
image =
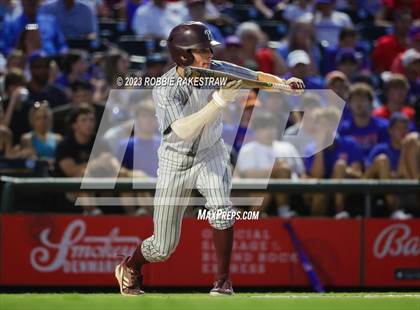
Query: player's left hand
pixel 296 85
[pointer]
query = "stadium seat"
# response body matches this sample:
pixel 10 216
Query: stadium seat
pixel 276 30
pixel 137 46
pixel 372 33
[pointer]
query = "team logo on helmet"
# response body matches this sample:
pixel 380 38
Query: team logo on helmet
pixel 208 34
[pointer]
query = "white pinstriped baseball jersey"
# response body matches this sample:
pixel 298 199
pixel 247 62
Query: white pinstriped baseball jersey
pixel 184 165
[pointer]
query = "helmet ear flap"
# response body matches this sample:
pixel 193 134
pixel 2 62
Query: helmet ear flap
pixel 181 56
pixel 186 58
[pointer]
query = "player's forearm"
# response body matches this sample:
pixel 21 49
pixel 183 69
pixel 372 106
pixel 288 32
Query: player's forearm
pixel 189 127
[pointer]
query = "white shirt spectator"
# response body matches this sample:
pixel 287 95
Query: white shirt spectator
pixel 288 153
pixel 153 21
pixel 257 156
pixel 304 140
pixel 293 12
pixel 328 28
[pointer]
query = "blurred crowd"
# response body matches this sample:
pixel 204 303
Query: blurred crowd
pixel 60 61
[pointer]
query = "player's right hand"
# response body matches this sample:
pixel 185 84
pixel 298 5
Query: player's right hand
pixel 230 91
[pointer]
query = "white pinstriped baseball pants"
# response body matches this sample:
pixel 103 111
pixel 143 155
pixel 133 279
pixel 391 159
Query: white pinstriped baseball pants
pixel 178 174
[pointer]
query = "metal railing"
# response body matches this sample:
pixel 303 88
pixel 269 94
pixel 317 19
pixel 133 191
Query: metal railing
pixel 13 185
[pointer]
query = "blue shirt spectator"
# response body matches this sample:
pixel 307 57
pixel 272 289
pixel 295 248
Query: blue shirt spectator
pixel 344 148
pixel 130 9
pixel 53 41
pixel 76 19
pixel 298 62
pixel 366 137
pixel 140 154
pixel 9 10
pixel 329 59
pixel 386 149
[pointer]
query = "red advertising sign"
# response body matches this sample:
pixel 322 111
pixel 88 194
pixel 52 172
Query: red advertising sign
pixel 392 251
pixel 66 250
pixel 78 250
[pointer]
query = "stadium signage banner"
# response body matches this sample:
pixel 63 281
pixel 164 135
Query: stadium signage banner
pixel 77 252
pixel 392 253
pixel 83 250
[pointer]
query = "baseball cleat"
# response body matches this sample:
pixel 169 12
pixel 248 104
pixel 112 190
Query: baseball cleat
pixel 222 288
pixel 130 280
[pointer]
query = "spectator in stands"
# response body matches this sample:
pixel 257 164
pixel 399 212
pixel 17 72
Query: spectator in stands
pixel 389 160
pixel 107 166
pixel 309 102
pixel 197 12
pixel 302 37
pixel 269 9
pixel 293 11
pixel 327 21
pixel 116 64
pixel 265 157
pixel 76 19
pixel 30 40
pixel 16 60
pixel 389 7
pixel 366 129
pixel 339 83
pixel 52 38
pixel 236 131
pixel 298 63
pixel 396 91
pixel 349 61
pixel 389 46
pixel 40 142
pixel 342 159
pixel 347 40
pixel 410 67
pixel 6 137
pixel 16 104
pixel 39 86
pixel 72 153
pixel 156 18
pixel 359 12
pixel 155 65
pixel 73 68
pixel 131 7
pixel 255 57
pixel 411 156
pixel 81 94
pixel 414 43
pixel 140 151
pixel 9 9
pixel 231 51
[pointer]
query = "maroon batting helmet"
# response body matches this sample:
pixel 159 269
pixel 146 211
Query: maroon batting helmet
pixel 187 36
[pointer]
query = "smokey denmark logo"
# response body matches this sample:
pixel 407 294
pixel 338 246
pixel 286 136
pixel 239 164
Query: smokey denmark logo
pixel 78 252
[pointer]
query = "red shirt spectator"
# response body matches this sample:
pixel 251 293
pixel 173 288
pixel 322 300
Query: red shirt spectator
pixel 389 46
pixel 385 112
pixel 386 50
pixel 393 5
pixel 265 60
pixel 396 90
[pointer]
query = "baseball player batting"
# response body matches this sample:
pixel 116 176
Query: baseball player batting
pixel 192 154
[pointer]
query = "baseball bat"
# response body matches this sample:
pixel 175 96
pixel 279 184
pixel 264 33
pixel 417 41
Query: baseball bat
pixel 247 83
pixel 304 260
